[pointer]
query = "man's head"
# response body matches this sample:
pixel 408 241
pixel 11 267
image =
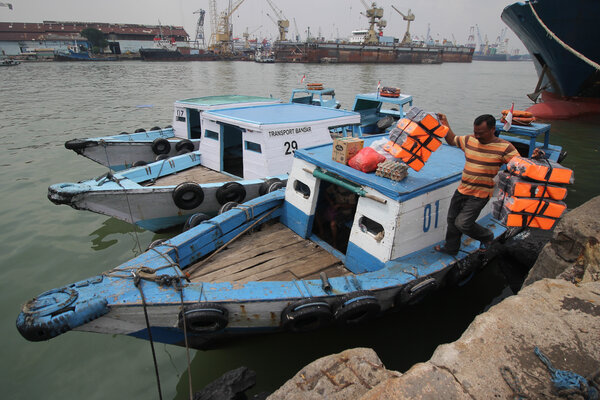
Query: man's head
pixel 484 128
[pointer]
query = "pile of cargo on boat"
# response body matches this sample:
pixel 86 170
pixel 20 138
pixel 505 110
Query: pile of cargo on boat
pixel 388 91
pixel 522 118
pixel 532 191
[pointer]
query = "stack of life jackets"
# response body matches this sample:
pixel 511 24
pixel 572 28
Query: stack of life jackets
pixel 532 193
pixel 523 118
pixel 415 137
pixel 388 91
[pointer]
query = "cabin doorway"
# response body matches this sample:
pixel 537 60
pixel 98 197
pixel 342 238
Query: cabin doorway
pixel 194 124
pixel 232 153
pixel 336 208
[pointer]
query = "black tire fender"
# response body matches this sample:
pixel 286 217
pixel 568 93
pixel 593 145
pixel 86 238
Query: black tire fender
pixel 140 130
pixel 155 128
pixel 264 187
pixel 231 191
pixel 275 186
pixel 155 243
pixel 161 146
pixel 188 195
pixel 414 292
pixel 124 133
pixel 356 308
pixel 183 151
pixel 227 206
pixel 161 157
pixel 80 144
pixel 385 122
pixel 204 318
pixel 139 163
pixel 195 220
pixel 306 315
pixel 184 144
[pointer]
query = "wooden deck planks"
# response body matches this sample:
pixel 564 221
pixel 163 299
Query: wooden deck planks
pixel 274 253
pixel 198 174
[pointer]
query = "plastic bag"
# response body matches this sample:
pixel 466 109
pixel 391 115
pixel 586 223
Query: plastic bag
pixel 366 160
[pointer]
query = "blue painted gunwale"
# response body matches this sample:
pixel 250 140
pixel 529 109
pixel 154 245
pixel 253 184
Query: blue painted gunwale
pixel 136 137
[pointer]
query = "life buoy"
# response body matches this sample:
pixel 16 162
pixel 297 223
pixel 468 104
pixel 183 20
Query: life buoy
pixel 415 292
pixel 231 191
pixel 227 206
pixel 161 146
pixel 161 157
pixel 188 195
pixel 306 315
pixel 204 318
pixel 184 144
pixel 139 163
pixel 140 130
pixel 195 220
pixel 264 187
pixel 356 308
pixel 155 128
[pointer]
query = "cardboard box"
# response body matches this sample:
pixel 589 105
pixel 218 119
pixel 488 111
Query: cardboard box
pixel 345 148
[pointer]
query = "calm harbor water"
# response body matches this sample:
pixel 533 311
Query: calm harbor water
pixel 45 246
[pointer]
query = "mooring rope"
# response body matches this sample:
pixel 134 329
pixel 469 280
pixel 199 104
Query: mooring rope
pixel 187 346
pixel 563 44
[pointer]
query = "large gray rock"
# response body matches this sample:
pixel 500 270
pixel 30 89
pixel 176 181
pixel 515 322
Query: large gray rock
pixel 347 375
pixel 574 250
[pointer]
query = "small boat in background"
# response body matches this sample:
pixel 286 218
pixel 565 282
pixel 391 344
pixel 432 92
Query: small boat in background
pixel 8 62
pixel 276 263
pixel 71 55
pixel 243 152
pixel 126 150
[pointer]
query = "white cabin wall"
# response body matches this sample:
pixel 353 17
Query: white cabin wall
pixel 180 128
pixel 308 205
pixel 416 225
pixel 210 149
pixel 255 164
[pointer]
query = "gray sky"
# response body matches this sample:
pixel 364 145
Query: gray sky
pixel 332 17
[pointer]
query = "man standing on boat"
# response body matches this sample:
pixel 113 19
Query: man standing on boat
pixel 484 154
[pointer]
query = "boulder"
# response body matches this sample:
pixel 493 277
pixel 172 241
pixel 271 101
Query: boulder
pixel 230 386
pixel 574 250
pixel 347 375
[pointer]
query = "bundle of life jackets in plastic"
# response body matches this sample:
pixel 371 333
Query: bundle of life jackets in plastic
pixel 415 137
pixel 524 118
pixel 532 193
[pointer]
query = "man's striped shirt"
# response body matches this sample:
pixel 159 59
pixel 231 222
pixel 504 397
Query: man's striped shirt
pixel 482 164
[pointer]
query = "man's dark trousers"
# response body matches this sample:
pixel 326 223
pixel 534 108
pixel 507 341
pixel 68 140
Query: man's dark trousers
pixel 462 214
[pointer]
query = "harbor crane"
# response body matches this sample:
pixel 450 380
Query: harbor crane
pixel 6 5
pixel 297 32
pixel 221 38
pixel 409 17
pixel 200 28
pixel 375 15
pixel 246 36
pixel 283 24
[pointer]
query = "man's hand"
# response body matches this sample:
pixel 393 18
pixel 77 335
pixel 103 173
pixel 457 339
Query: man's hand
pixel 450 135
pixel 443 119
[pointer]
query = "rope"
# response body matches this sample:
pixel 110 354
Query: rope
pixel 137 239
pixel 187 346
pixel 513 382
pixel 568 382
pixel 137 282
pixel 563 44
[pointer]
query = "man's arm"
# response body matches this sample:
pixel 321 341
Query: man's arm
pixel 450 135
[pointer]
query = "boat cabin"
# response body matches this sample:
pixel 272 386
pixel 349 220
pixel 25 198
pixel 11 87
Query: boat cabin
pixel 383 220
pixel 323 97
pixel 377 112
pixel 258 141
pixel 186 113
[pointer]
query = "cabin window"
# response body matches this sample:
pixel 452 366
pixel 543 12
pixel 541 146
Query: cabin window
pixel 367 225
pixel 211 134
pixel 302 188
pixel 253 146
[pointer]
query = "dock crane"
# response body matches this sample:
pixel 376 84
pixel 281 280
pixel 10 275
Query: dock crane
pixel 246 36
pixel 282 22
pixel 297 32
pixel 375 15
pixel 409 17
pixel 221 39
pixel 200 28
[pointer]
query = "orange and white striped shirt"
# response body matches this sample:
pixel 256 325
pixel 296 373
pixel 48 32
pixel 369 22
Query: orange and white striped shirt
pixel 483 161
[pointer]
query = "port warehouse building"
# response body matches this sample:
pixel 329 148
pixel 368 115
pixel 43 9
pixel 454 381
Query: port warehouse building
pixel 23 37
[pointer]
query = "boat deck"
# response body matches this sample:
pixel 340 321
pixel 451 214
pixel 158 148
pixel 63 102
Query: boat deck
pixel 275 253
pixel 198 174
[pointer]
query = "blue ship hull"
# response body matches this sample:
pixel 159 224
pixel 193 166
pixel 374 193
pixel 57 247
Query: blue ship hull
pixel 576 24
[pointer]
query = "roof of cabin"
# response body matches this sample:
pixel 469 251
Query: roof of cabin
pixel 285 113
pixel 209 101
pixel 374 97
pixel 443 167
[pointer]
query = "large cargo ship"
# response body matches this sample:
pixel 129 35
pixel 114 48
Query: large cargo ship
pixel 563 40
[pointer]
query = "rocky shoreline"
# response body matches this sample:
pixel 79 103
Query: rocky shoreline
pixel 557 310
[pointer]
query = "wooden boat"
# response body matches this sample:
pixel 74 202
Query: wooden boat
pixel 214 281
pixel 242 149
pixel 119 152
pixel 8 62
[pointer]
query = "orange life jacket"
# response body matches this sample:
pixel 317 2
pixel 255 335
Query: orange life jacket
pixel 415 137
pixel 515 186
pixel 527 212
pixel 540 170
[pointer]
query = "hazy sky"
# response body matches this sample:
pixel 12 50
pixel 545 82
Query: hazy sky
pixel 331 17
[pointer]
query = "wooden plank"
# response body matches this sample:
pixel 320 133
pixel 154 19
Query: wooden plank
pixel 198 174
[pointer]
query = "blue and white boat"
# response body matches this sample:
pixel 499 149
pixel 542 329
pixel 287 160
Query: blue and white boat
pixel 119 152
pixel 315 97
pixel 242 150
pixel 215 281
pixel 378 113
